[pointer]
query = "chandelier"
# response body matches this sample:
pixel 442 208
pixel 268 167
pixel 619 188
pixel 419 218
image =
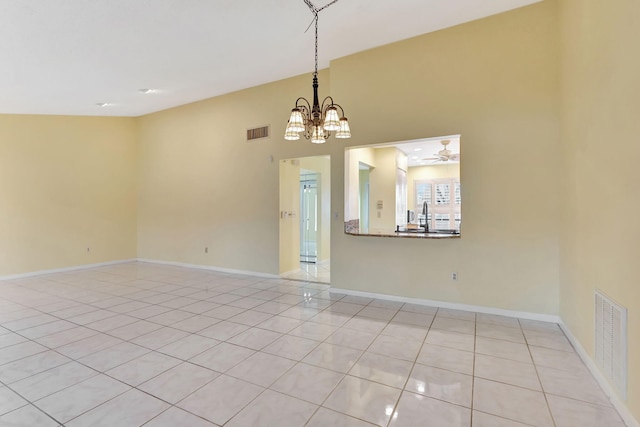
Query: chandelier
pixel 316 122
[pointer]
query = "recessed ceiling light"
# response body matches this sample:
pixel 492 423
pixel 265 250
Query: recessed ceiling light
pixel 417 149
pixel 145 91
pixel 103 104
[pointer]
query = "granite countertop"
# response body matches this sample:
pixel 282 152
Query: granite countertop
pixel 409 235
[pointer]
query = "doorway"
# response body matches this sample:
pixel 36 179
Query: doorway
pixel 305 218
pixel 308 216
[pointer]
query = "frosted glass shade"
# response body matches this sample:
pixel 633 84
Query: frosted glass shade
pixel 291 135
pixel 331 120
pixel 317 136
pixel 296 122
pixel 344 131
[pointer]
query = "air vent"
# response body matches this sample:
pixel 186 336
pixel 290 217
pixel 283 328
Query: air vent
pixel 611 341
pixel 257 133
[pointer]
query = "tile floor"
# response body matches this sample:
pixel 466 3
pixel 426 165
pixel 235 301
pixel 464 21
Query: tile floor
pixel 142 344
pixel 312 272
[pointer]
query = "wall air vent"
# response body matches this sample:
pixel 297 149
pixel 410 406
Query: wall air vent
pixel 611 341
pixel 258 133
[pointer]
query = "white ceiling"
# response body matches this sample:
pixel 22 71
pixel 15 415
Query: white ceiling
pixel 66 56
pixel 420 152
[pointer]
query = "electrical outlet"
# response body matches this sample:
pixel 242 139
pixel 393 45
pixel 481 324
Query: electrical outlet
pixel 454 276
pixel 206 250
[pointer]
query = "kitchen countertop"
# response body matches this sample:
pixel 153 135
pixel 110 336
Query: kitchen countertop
pixel 409 235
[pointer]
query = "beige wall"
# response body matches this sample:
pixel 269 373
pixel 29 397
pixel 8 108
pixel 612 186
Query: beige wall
pixel 353 158
pixel 66 184
pixel 382 188
pixel 496 82
pixel 203 185
pixel 601 238
pixel 289 224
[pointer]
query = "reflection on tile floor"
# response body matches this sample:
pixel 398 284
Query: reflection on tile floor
pixel 312 272
pixel 143 344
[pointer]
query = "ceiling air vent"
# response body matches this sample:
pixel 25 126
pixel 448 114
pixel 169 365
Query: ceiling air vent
pixel 258 133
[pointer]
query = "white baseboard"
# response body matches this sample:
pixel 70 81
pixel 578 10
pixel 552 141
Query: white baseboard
pixel 64 270
pixel 211 268
pixel 456 306
pixel 617 403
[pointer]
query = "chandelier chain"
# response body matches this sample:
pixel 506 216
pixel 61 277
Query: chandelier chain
pixel 315 12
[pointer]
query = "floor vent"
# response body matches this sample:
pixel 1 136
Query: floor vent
pixel 258 133
pixel 611 341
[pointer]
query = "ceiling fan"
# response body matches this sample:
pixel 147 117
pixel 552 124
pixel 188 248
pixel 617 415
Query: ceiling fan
pixel 445 154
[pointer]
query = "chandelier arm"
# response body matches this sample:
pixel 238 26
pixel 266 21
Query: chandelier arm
pixel 326 105
pixel 302 98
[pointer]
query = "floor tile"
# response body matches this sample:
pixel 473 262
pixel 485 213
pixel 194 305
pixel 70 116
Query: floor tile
pixel 363 324
pixel 480 419
pixel 223 330
pixel 47 329
pixel 557 359
pixel 503 349
pixel 414 410
pixel 87 346
pixel 412 318
pixel 451 339
pixel 9 339
pixel 333 357
pixel 507 371
pixel 441 384
pixel 326 417
pixel 169 318
pixel 188 347
pixel 454 325
pixel 222 357
pixel 173 417
pixel 382 369
pixel 28 366
pixel 27 416
pixel 9 400
pixel 498 320
pixel 379 313
pixel 250 317
pixel 280 324
pixel 178 382
pixel 500 332
pixel 261 369
pixel 291 347
pixel 548 340
pixel 400 348
pixel 255 338
pixel 515 403
pixel 313 331
pixel 113 356
pixel 110 323
pixel 195 323
pixel 132 408
pixel 221 399
pixel 19 351
pixel 134 330
pixel 53 380
pixel 364 399
pixel 66 337
pixel 351 338
pixel 143 368
pixel 409 332
pixel 77 399
pixel 569 413
pixel 308 382
pixel 274 409
pixel 159 338
pixel 446 358
pixel 576 385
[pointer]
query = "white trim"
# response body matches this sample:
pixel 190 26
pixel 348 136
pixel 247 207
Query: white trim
pixel 65 269
pixel 617 403
pixel 286 273
pixel 211 268
pixel 443 304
